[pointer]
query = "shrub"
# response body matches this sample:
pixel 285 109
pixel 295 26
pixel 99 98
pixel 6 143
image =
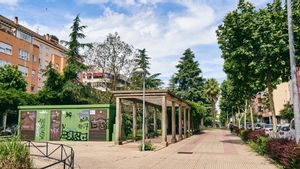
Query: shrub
pixel 256 134
pixel 14 154
pixel 244 135
pixel 148 146
pixel 236 130
pixel 285 152
pixel 259 145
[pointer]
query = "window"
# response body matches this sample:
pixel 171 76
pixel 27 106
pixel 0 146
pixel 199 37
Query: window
pixel 5 48
pixel 23 69
pixel 47 52
pixel 33 58
pixel 40 62
pixel 41 49
pixel 23 55
pixel 24 36
pixel 32 88
pixel 39 77
pixel 3 63
pixel 33 73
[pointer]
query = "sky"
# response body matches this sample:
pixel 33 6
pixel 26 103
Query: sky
pixel 165 28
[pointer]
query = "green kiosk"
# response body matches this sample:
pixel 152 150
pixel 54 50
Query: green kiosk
pixel 67 122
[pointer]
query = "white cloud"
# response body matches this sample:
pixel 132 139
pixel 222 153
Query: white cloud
pixel 165 38
pixel 9 2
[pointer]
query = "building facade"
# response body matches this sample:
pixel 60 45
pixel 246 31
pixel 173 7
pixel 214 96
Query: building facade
pixel 29 51
pixel 101 79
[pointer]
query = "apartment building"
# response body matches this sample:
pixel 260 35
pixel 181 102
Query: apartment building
pixel 29 51
pixel 101 79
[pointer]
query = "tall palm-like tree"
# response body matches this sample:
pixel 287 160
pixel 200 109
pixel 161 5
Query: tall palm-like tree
pixel 212 91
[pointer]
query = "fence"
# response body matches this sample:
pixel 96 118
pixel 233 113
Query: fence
pixel 59 153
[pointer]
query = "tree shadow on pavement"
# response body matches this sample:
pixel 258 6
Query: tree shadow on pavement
pixel 240 142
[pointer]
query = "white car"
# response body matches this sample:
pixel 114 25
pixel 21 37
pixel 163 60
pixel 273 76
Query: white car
pixel 283 131
pixel 292 132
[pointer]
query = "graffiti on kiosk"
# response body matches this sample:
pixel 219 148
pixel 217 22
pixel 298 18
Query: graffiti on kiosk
pixel 98 123
pixel 68 115
pixel 41 128
pixel 75 125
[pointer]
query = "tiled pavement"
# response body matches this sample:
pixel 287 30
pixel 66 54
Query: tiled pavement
pixel 213 149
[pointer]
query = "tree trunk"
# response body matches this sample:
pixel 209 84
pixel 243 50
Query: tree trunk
pixel 202 122
pixel 272 109
pixel 4 120
pixel 245 118
pixel 214 114
pixel 239 121
pixel 251 117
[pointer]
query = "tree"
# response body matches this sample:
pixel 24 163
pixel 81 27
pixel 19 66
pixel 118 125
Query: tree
pixel 212 91
pixel 11 77
pixel 287 112
pixel 235 37
pixel 272 61
pixel 188 83
pixel 152 81
pixel 66 88
pixel 13 91
pixel 113 54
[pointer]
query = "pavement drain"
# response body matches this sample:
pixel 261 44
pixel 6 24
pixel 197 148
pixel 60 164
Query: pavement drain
pixel 184 152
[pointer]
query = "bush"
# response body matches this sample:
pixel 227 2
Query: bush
pixel 14 154
pixel 236 130
pixel 259 145
pixel 284 151
pixel 256 134
pixel 244 135
pixel 148 146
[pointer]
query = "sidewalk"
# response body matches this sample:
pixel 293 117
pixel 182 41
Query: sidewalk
pixel 215 149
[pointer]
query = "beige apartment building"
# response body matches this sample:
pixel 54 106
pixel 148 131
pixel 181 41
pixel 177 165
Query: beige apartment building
pixel 281 96
pixel 29 51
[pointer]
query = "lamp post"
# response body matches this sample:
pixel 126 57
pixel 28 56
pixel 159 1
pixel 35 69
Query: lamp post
pixel 142 71
pixel 293 72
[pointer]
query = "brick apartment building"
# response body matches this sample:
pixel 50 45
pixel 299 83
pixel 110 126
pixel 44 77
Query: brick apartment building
pixel 29 51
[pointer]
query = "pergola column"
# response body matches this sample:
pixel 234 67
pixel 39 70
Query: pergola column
pixel 184 123
pixel 180 123
pixel 164 140
pixel 189 121
pixel 173 140
pixel 155 121
pixel 118 139
pixel 134 121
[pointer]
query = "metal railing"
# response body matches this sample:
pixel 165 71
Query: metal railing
pixel 59 153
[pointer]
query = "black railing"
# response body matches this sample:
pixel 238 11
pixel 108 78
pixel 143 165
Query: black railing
pixel 59 153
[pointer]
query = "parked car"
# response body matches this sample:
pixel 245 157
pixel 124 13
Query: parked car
pixel 283 131
pixel 292 132
pixel 267 128
pixel 259 126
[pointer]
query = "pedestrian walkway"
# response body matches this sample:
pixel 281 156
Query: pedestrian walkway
pixel 214 149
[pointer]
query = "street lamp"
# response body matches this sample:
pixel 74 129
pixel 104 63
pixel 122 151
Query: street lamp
pixel 142 71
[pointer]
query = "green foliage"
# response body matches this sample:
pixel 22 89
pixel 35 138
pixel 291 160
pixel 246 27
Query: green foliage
pixel 126 124
pixel 148 146
pixel 244 135
pixel 12 78
pixel 151 80
pixel 14 154
pixel 212 90
pixel 259 145
pixel 287 112
pixel 188 83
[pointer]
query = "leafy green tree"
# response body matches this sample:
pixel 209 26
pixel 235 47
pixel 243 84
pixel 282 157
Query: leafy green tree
pixel 212 92
pixel 188 83
pixel 151 80
pixel 13 92
pixel 11 77
pixel 287 112
pixel 272 61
